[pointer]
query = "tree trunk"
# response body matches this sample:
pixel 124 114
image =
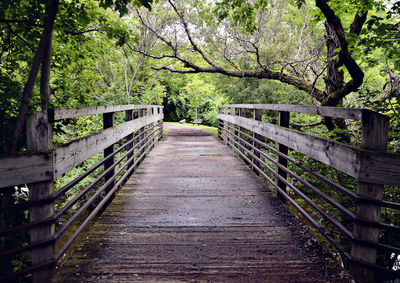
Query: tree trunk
pixel 334 79
pixel 51 12
pixel 45 75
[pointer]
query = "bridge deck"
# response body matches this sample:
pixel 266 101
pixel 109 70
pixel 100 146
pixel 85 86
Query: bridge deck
pixel 195 212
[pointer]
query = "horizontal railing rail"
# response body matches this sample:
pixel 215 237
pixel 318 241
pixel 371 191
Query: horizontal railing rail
pixel 58 216
pixel 349 219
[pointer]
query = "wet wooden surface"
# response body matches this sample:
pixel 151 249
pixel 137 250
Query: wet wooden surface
pixel 193 212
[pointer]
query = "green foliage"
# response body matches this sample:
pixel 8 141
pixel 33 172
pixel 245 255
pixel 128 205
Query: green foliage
pixel 93 64
pixel 381 32
pixel 241 13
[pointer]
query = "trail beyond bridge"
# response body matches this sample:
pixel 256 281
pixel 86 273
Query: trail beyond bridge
pixel 128 203
pixel 193 211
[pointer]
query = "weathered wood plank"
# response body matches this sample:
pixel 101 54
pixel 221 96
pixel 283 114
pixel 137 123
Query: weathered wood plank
pixel 380 168
pixel 342 157
pixel 59 114
pixel 346 113
pixel 197 219
pixel 24 168
pixel 72 154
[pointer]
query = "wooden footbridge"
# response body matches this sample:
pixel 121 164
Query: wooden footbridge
pixel 186 206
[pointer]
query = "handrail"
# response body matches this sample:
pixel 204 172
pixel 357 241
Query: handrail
pixel 241 127
pixel 67 113
pixel 327 111
pixel 136 137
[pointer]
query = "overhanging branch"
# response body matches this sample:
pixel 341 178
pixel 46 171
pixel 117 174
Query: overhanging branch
pixel 352 67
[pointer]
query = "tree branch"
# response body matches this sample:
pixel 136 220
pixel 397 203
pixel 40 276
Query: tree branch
pixel 149 55
pixel 192 42
pixel 354 70
pixel 80 32
pixel 262 73
pixel 358 22
pixel 20 38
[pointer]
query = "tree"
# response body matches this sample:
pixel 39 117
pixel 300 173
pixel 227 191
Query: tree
pixel 198 92
pixel 45 17
pixel 265 40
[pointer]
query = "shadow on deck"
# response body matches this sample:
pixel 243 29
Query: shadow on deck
pixel 195 212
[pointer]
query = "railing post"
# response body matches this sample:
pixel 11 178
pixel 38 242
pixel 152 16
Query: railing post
pixel 219 125
pixel 39 137
pixel 155 135
pixel 257 116
pixel 148 113
pixel 108 122
pixel 242 113
pixel 160 122
pixel 283 122
pixel 374 137
pixel 141 133
pixel 232 129
pixel 226 127
pixel 129 117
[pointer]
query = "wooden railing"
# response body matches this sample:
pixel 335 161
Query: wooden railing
pixel 55 221
pixel 349 218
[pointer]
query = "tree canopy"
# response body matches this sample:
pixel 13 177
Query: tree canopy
pixel 70 53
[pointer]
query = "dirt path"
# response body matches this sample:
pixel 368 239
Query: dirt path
pixel 193 212
pixel 180 130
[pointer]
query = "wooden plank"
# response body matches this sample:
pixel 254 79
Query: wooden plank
pixel 380 168
pixel 342 157
pixel 198 219
pixel 376 165
pixel 24 168
pixel 336 112
pixel 66 113
pixel 72 154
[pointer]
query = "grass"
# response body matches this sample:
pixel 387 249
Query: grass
pixel 208 128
